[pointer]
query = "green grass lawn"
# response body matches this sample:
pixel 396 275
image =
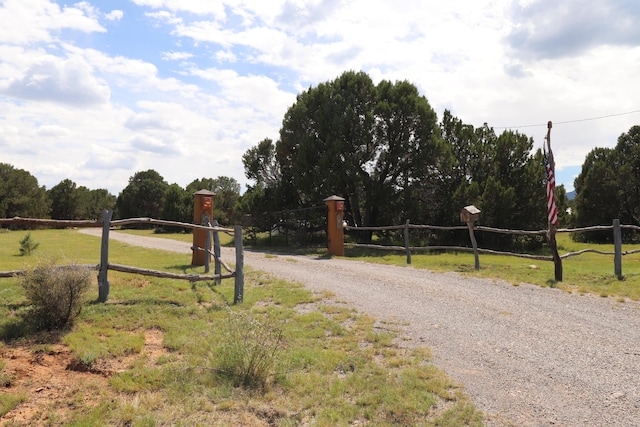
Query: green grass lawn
pixel 324 363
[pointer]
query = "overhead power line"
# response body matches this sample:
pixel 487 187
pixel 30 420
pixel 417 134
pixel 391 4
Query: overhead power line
pixel 569 121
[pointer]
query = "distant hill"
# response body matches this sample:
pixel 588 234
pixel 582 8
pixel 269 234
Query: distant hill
pixel 571 195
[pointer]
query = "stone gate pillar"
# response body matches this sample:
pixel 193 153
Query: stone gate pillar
pixel 335 230
pixel 202 215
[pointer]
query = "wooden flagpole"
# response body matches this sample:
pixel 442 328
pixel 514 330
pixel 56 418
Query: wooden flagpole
pixel 553 228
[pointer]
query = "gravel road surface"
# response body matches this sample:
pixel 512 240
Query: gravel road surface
pixel 527 356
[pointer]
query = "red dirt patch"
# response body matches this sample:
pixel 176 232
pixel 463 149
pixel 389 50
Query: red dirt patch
pixel 46 380
pixel 53 382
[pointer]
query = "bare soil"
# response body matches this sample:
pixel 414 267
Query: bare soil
pixel 54 382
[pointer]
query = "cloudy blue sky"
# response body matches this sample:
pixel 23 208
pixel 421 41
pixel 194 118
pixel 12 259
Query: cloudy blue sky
pixel 98 90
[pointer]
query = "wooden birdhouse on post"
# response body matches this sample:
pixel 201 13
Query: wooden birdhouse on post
pixel 470 214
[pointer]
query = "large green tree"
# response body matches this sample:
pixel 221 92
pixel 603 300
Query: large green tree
pixel 261 165
pixel 227 194
pixel 177 206
pixel 410 162
pixel 20 194
pixel 65 203
pixel 377 146
pixel 381 148
pixel 627 164
pixel 94 202
pixel 143 196
pixel 608 186
pixel 597 186
pixel 497 173
pixel 68 201
pixel 270 192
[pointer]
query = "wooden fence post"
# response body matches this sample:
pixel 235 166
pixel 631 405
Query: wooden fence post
pixel 617 244
pixel 550 166
pixel 238 294
pixel 216 252
pixel 207 251
pixel 103 282
pixel 470 214
pixel 406 241
pixel 474 244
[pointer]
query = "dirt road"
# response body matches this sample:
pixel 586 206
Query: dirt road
pixel 527 356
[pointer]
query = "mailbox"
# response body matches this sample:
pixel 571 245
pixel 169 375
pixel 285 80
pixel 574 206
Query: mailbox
pixel 469 214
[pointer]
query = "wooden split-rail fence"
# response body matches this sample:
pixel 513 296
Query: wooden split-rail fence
pixel 102 268
pixel 616 227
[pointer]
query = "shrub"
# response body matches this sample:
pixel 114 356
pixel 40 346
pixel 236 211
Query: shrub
pixel 250 349
pixel 6 379
pixel 28 245
pixel 56 293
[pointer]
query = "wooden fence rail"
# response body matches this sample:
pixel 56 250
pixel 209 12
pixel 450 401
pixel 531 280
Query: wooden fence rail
pixel 104 266
pixel 615 227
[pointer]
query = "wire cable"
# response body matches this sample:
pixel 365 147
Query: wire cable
pixel 569 121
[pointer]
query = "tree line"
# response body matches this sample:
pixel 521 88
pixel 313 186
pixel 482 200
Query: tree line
pixel 383 148
pixel 146 195
pixel 608 187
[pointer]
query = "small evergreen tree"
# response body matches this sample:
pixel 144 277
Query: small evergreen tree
pixel 28 245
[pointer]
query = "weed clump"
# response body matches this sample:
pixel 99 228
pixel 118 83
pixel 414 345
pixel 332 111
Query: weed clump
pixel 55 293
pixel 250 349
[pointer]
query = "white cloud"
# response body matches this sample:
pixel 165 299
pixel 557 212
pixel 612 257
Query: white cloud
pixel 102 158
pixel 196 7
pixel 114 15
pixel 53 79
pixel 176 56
pixel 164 17
pixel 151 144
pixel 134 75
pixel 226 56
pixel 31 21
pixel 306 16
pixel 52 131
pixel 248 98
pixel 548 29
pixel 206 31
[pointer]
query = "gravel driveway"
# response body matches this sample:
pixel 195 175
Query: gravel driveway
pixel 527 356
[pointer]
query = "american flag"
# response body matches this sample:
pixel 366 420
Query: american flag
pixel 552 209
